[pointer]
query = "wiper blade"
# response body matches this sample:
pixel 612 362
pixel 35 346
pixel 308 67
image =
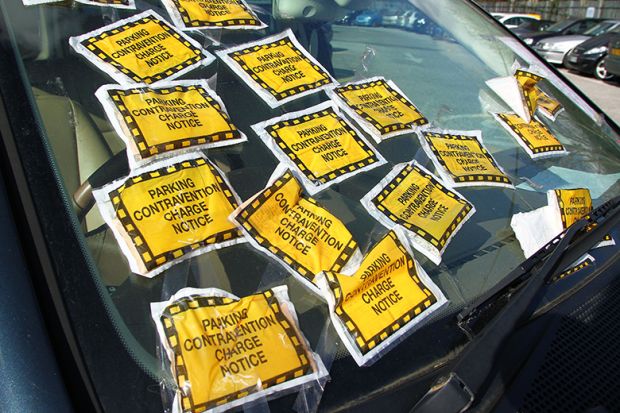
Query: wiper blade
pixel 475 314
pixel 456 391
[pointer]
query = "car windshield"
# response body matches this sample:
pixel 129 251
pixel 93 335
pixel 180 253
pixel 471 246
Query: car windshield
pixel 600 28
pixel 560 26
pixel 439 64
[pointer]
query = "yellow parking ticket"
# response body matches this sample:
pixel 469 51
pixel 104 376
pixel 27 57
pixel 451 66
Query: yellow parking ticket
pixel 461 158
pixel 531 92
pixel 535 229
pixel 277 68
pixel 212 14
pixel 169 212
pixel 382 302
pixel 167 119
pixel 379 107
pixel 534 137
pixel 549 106
pixel 319 144
pixel 412 198
pixel 225 351
pixel 294 229
pixel 141 49
pixel 583 262
pixel 573 204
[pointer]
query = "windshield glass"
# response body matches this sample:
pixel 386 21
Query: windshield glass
pixel 600 28
pixel 560 26
pixel 440 63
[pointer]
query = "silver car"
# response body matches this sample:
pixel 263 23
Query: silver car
pixel 553 49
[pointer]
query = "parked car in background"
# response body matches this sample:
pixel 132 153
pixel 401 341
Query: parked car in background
pixel 349 18
pixel 514 20
pixel 368 18
pixel 589 56
pixel 612 62
pixel 416 22
pixel 532 26
pixel 554 49
pixel 393 18
pixel 565 27
pixel 407 18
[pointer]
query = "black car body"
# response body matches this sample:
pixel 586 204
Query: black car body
pixel 572 26
pixel 349 18
pixel 589 56
pixel 612 62
pixel 532 26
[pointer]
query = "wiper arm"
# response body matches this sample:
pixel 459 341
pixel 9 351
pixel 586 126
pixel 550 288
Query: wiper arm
pixel 455 392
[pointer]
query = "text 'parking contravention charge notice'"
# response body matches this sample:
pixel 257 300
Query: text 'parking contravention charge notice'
pixel 225 351
pixel 212 14
pixel 305 237
pixel 535 229
pixel 277 68
pixel 415 200
pixel 379 106
pixel 384 298
pixel 573 204
pixel 534 137
pixel 461 158
pixel 143 49
pixel 166 213
pixel 174 116
pixel 320 144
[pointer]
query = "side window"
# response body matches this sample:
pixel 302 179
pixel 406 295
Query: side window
pixel 578 28
pixel 513 21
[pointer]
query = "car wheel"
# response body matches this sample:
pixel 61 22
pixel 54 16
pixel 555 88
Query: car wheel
pixel 600 71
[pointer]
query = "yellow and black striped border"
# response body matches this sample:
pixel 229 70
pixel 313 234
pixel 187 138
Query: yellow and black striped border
pixel 592 225
pixel 516 128
pixel 466 207
pixel 558 196
pixel 140 243
pixel 245 216
pixel 367 344
pixel 250 21
pixel 383 129
pixel 572 270
pixel 90 44
pixel 529 75
pixel 180 368
pixel 526 92
pixel 544 98
pixel 497 178
pixel 305 169
pixel 238 57
pixel 146 150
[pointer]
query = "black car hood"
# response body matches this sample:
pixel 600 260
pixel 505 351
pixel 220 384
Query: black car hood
pixel 537 36
pixel 597 41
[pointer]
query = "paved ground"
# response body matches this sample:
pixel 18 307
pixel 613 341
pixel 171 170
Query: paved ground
pixel 605 94
pixel 431 63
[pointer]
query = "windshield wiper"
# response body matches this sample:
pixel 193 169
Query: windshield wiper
pixel 457 390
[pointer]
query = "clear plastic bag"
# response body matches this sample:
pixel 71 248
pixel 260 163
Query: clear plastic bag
pixel 226 352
